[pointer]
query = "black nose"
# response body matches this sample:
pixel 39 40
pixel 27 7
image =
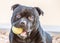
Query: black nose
pixel 22 23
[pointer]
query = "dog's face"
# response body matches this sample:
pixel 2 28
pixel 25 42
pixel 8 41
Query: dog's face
pixel 25 17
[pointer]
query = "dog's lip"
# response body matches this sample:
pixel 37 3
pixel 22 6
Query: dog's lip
pixel 24 34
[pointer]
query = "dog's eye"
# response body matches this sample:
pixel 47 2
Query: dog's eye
pixel 31 18
pixel 18 16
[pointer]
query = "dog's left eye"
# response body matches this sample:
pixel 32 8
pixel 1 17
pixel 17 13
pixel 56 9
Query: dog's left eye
pixel 31 18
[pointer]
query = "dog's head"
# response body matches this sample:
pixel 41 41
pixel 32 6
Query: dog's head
pixel 25 17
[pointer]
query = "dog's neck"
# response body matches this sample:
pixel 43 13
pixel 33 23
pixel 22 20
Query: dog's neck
pixel 36 35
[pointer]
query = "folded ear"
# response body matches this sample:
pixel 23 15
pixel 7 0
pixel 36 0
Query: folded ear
pixel 14 6
pixel 39 11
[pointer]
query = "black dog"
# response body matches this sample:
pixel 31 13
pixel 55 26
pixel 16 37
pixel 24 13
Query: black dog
pixel 28 19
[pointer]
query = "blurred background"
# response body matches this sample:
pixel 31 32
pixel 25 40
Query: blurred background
pixel 50 22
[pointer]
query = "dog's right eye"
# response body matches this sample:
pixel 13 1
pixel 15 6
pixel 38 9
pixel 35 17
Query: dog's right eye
pixel 18 16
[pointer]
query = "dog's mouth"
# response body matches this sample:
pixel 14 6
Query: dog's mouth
pixel 20 32
pixel 23 35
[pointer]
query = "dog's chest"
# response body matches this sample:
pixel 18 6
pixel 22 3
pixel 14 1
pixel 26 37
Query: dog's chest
pixel 28 40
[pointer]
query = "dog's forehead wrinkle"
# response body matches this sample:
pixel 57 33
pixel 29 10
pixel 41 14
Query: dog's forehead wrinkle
pixel 23 9
pixel 26 14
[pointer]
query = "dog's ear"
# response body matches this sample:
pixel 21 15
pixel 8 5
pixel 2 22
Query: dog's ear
pixel 14 6
pixel 39 11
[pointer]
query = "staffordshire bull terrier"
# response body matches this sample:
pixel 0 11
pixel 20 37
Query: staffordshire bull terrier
pixel 27 19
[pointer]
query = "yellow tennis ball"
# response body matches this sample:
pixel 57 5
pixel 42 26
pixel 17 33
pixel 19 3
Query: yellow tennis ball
pixel 17 30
